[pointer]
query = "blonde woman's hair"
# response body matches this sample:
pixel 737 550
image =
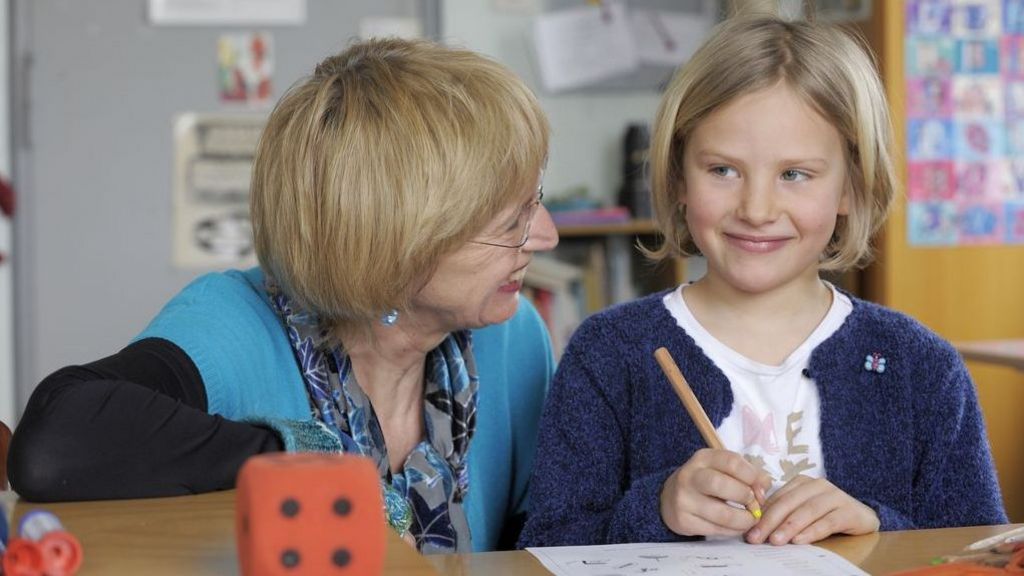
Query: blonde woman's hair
pixel 831 69
pixel 391 155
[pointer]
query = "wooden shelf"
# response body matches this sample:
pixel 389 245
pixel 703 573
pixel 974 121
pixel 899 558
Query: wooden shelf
pixel 608 268
pixel 600 239
pixel 631 227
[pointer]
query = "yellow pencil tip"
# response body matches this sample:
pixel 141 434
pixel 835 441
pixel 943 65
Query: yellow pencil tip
pixel 757 513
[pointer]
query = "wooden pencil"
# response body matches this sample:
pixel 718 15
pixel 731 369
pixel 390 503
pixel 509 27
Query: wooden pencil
pixel 695 410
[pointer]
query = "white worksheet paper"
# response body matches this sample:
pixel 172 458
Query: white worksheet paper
pixel 716 558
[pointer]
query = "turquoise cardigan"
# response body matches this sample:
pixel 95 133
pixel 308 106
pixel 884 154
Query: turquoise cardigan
pixel 225 323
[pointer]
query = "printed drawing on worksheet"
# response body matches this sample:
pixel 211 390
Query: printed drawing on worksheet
pixel 709 558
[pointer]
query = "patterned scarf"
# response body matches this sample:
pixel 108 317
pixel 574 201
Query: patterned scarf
pixel 434 480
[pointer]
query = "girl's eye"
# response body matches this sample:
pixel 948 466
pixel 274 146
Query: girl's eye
pixel 793 175
pixel 722 171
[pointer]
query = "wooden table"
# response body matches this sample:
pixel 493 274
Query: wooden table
pixel 195 535
pixel 1003 352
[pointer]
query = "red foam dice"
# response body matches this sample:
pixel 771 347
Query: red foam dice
pixel 315 514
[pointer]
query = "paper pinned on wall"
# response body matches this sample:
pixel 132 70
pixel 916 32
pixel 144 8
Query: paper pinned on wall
pixel 217 12
pixel 393 27
pixel 579 46
pixel 695 559
pixel 515 6
pixel 212 171
pixel 667 38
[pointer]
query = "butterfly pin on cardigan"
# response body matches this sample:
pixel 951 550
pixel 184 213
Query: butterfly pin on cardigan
pixel 874 362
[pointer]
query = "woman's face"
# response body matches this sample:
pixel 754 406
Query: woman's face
pixel 479 284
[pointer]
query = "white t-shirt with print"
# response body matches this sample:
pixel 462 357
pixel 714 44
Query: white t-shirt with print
pixel 776 411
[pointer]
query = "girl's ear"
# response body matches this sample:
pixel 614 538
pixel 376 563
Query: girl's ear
pixel 845 199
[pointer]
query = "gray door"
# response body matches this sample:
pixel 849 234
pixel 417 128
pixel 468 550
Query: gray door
pixel 96 89
pixel 7 410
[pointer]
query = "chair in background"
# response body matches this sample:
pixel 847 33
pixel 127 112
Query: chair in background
pixel 5 441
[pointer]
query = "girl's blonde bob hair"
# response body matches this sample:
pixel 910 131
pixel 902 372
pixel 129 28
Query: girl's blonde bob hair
pixel 834 73
pixel 391 155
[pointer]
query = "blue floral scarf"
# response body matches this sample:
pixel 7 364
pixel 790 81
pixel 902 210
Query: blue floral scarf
pixel 427 496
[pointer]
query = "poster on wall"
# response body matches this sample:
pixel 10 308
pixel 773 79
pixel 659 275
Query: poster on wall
pixel 245 65
pixel 965 122
pixel 213 160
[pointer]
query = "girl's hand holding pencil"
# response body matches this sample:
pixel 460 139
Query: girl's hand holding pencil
pixel 695 500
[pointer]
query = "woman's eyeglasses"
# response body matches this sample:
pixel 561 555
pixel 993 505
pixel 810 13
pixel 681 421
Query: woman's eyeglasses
pixel 521 229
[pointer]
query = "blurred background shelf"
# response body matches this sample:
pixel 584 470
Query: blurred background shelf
pixel 621 238
pixel 596 266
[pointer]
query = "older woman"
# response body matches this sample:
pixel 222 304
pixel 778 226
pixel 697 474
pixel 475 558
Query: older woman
pixel 395 205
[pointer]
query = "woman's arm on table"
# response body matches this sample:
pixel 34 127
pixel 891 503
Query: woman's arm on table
pixel 131 425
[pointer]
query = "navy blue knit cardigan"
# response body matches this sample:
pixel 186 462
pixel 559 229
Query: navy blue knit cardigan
pixel 909 442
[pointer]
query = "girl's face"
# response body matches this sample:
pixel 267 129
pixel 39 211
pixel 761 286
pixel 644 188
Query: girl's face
pixel 764 180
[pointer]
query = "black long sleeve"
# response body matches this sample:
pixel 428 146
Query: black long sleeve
pixel 132 425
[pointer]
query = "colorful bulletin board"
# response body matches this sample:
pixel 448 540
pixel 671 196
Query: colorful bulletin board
pixel 965 122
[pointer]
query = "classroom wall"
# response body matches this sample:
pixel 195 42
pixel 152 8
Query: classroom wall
pixel 586 129
pixel 963 293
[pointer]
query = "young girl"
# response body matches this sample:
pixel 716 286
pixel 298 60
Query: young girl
pixel 771 157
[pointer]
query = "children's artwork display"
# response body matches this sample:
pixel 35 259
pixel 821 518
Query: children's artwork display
pixel 965 122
